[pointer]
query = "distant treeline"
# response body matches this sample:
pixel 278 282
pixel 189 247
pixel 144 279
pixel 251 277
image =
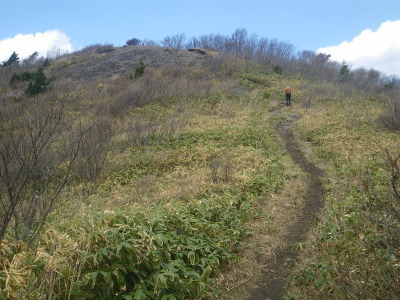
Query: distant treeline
pixel 280 57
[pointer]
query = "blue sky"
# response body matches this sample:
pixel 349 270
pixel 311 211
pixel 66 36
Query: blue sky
pixel 308 24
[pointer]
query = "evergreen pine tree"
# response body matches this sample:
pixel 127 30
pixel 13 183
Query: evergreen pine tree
pixel 13 59
pixel 46 63
pixel 41 81
pixel 139 70
pixel 344 72
pixel 39 85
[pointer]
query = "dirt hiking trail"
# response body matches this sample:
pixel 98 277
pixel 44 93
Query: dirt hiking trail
pixel 278 267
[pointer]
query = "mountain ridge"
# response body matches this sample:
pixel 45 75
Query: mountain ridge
pixel 119 61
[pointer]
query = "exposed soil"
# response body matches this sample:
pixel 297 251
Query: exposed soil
pixel 125 59
pixel 278 267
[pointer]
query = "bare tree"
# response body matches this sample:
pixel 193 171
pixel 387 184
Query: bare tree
pixel 174 41
pixel 39 145
pixel 214 42
pixel 237 42
pixel 148 42
pixel 390 117
pixel 250 49
pixel 93 149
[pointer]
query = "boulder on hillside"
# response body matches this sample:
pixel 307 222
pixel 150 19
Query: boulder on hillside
pixel 199 51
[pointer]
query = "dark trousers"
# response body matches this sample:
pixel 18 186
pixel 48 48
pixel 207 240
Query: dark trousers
pixel 288 96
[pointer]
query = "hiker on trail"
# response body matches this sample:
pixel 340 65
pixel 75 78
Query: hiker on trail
pixel 288 92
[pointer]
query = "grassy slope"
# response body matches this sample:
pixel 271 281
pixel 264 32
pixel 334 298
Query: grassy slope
pixel 167 214
pixel 171 212
pixel 349 257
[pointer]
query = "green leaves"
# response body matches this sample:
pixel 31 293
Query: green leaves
pixel 206 273
pixel 139 71
pixel 169 255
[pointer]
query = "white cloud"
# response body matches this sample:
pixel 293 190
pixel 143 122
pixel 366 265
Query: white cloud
pixel 378 49
pixel 42 42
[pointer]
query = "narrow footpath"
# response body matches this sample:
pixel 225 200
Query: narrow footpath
pixel 276 271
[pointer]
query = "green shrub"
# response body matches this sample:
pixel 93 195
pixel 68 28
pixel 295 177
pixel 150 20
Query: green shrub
pixel 277 69
pixel 26 76
pixel 133 42
pixel 139 71
pixel 266 95
pixel 357 255
pixel 167 255
pixel 39 85
pixel 38 81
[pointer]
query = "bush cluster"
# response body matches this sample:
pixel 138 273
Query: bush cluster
pixel 38 81
pixel 169 255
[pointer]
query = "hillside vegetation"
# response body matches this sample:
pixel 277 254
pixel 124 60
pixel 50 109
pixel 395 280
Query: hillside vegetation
pixel 355 249
pixel 156 180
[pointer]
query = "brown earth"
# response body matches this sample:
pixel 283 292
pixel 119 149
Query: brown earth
pixel 278 267
pixel 273 252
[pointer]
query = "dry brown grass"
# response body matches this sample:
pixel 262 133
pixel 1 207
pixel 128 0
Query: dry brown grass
pixel 191 174
pixel 277 212
pixel 346 140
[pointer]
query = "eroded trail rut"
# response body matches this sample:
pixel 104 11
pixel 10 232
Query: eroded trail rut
pixel 278 269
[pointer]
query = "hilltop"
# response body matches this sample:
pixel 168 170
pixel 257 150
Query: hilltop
pixel 122 60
